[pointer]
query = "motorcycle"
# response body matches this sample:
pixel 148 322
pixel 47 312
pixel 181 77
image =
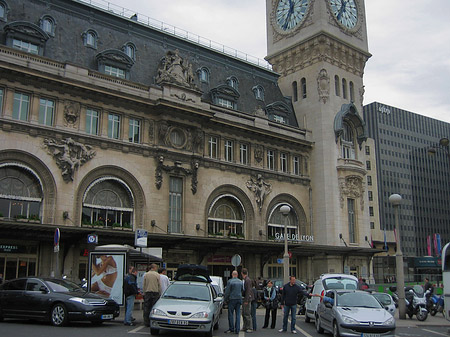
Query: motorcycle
pixel 436 304
pixel 415 301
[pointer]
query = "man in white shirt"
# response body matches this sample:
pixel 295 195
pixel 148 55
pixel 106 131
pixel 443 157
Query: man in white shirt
pixel 163 279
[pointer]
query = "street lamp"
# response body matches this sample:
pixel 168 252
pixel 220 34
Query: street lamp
pixel 395 200
pixel 285 209
pixel 444 144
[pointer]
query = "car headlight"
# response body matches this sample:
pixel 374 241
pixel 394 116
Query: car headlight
pixel 390 321
pixel 79 300
pixel 202 314
pixel 157 312
pixel 349 320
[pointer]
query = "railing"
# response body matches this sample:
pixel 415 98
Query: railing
pixel 172 30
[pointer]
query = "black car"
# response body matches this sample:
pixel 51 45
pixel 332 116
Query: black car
pixel 56 300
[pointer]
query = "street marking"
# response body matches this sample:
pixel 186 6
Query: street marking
pixel 437 333
pixel 137 330
pixel 303 331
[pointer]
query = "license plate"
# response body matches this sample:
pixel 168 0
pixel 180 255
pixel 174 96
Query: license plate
pixel 109 316
pixel 178 322
pixel 370 335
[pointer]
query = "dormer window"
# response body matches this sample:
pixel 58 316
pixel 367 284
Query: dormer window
pixel 115 63
pixel 259 92
pixel 3 10
pixel 130 49
pixel 225 96
pixel 48 25
pixel 203 75
pixel 233 82
pixel 90 38
pixel 25 36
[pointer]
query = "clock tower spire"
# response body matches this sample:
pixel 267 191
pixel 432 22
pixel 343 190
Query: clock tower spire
pixel 319 48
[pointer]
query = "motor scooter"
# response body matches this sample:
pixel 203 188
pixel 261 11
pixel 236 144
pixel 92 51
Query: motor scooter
pixel 415 301
pixel 436 304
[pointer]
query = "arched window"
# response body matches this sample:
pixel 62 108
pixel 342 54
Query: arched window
pixel 277 222
pixel 203 75
pixel 259 92
pixel 352 92
pixel 348 142
pixel 303 82
pixel 20 192
pixel 294 91
pixel 48 24
pixel 90 38
pixel 226 217
pixel 108 202
pixel 233 82
pixel 130 49
pixel 337 85
pixel 344 88
pixel 3 10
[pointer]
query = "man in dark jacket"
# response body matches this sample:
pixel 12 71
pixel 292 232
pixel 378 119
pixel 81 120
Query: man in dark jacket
pixel 246 305
pixel 289 303
pixel 130 290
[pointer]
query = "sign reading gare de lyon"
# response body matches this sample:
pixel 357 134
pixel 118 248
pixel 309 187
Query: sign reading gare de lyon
pixel 294 237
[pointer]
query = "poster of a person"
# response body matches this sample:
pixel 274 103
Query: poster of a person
pixel 106 276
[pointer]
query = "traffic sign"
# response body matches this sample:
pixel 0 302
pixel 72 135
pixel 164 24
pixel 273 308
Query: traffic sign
pixel 140 238
pixel 92 238
pixel 236 260
pixel 56 237
pixel 290 255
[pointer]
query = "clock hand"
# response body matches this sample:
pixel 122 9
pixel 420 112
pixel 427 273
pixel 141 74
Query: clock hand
pixel 291 10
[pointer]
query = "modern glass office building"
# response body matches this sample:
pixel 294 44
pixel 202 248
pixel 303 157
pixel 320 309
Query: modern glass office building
pixel 407 166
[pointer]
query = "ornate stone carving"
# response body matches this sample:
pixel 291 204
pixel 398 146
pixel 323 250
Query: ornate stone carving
pixel 323 85
pixel 197 141
pixel 177 169
pixel 362 90
pixel 163 131
pixel 351 187
pixel 260 189
pixel 151 131
pixel 259 153
pixel 174 69
pixel 71 113
pixel 69 155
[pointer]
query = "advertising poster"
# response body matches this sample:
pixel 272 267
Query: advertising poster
pixel 107 275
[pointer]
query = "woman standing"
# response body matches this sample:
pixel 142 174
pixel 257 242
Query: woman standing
pixel 271 304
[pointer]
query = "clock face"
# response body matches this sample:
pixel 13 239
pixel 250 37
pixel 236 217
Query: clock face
pixel 290 13
pixel 345 11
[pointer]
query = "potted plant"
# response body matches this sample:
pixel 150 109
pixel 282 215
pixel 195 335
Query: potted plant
pixel 21 218
pixel 116 225
pixel 99 223
pixel 127 226
pixel 34 218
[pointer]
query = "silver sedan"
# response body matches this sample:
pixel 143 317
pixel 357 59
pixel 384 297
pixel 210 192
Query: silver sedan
pixel 187 306
pixel 354 313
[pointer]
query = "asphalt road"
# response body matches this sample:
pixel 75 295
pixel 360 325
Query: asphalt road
pixel 433 327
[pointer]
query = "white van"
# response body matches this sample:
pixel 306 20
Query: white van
pixel 324 283
pixel 217 280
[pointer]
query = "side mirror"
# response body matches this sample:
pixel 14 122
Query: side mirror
pixel 43 289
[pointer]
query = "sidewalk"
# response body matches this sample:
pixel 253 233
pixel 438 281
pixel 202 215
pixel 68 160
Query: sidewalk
pixel 437 320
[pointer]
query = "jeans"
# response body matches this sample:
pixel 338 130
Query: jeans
pixel 234 310
pixel 254 306
pixel 129 305
pixel 293 310
pixel 150 299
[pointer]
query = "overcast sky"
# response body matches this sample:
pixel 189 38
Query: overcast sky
pixel 409 41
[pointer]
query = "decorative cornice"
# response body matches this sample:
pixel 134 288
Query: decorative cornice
pixel 320 48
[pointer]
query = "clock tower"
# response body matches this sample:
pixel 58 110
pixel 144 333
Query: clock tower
pixel 319 48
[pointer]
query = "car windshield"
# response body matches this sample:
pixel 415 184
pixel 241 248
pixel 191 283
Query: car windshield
pixel 62 286
pixel 190 291
pixel 384 299
pixel 340 283
pixel 361 300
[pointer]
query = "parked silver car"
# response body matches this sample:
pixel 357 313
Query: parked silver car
pixel 353 313
pixel 386 301
pixel 190 303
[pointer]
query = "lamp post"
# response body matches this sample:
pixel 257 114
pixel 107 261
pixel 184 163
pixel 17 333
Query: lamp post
pixel 285 209
pixel 444 144
pixel 395 200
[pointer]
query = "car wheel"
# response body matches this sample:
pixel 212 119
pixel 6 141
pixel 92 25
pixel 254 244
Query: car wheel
pixel 319 329
pixel 307 319
pixel 154 332
pixel 335 330
pixel 209 333
pixel 58 315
